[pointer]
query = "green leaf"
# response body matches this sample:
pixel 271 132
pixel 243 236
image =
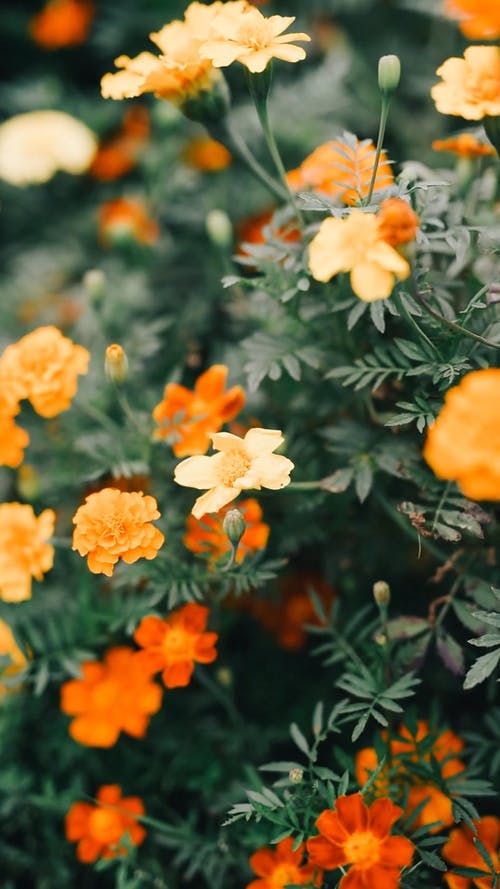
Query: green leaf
pixel 299 739
pixel 482 668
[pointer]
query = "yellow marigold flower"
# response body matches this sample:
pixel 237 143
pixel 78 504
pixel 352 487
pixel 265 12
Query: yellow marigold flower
pixel 471 86
pixel 34 146
pixel 9 648
pixel 463 445
pixel 24 552
pixel 13 439
pixel 45 365
pixel 478 19
pixel 252 39
pixel 114 525
pixel 241 463
pixel 356 245
pixel 465 145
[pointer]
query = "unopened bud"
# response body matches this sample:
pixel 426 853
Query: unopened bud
pixel 94 282
pixel 219 228
pixel 116 363
pixel 296 775
pixel 381 592
pixel 234 526
pixel 389 74
pixel 224 676
pixel 28 482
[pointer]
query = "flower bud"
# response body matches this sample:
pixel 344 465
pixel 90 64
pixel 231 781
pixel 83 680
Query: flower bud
pixel 234 526
pixel 219 228
pixel 116 363
pixel 389 74
pixel 224 676
pixel 381 592
pixel 296 775
pixel 94 281
pixel 28 482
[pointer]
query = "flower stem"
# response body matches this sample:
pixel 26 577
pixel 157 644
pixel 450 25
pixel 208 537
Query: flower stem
pixel 451 325
pixel 384 113
pixel 225 134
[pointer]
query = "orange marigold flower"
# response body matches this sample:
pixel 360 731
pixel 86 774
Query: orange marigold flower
pixel 174 645
pixel 207 535
pixel 123 220
pixel 478 19
pixel 460 850
pixel 189 416
pixel 464 442
pixel 114 525
pixel 10 649
pixel 98 829
pixel 470 87
pixel 287 619
pixel 46 366
pixel 359 835
pixel 281 866
pixel 117 695
pixel 119 154
pixel 24 551
pixel 62 23
pixel 252 230
pixel 397 222
pixel 465 145
pixel 13 439
pixel 207 155
pixel 342 169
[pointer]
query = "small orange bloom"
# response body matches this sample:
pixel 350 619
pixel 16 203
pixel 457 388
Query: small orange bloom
pixel 342 170
pixel 189 416
pixel 358 835
pixel 470 87
pixel 99 828
pixel 281 866
pixel 464 442
pixel 207 535
pixel 24 551
pixel 465 145
pixel 174 645
pixel 397 222
pixel 207 155
pixel 114 525
pixel 123 220
pixel 118 155
pixel 478 19
pixel 45 365
pixel 62 23
pixel 117 695
pixel 287 618
pixel 460 850
pixel 251 230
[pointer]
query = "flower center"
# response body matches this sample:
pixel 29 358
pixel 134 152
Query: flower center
pixel 177 644
pixel 105 826
pixel 362 849
pixel 484 87
pixel 284 875
pixel 105 695
pixel 234 465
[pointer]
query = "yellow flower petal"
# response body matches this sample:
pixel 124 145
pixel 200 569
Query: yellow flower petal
pixel 197 472
pixel 370 281
pixel 214 500
pixel 261 442
pixel 273 471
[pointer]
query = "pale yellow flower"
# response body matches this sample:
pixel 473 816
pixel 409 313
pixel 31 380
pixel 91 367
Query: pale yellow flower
pixel 252 39
pixel 34 146
pixel 471 86
pixel 241 463
pixel 355 245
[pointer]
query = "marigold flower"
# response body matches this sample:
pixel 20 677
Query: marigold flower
pixel 189 416
pixel 465 145
pixel 464 442
pixel 207 155
pixel 342 169
pixel 98 829
pixel 287 618
pixel 252 230
pixel 460 850
pixel 35 145
pixel 45 365
pixel 10 649
pixel 397 222
pixel 24 551
pixel 206 535
pixel 252 39
pixel 241 463
pixel 62 23
pixel 174 645
pixel 470 86
pixel 115 695
pixel 124 219
pixel 359 835
pixel 281 866
pixel 355 245
pixel 13 439
pixel 478 19
pixel 114 525
pixel 119 154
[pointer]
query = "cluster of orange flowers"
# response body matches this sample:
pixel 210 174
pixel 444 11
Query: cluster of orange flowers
pixel 43 367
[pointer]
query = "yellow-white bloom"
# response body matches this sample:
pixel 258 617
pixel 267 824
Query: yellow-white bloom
pixel 34 146
pixel 241 463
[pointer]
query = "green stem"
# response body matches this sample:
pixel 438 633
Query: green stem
pixel 411 320
pixel 451 325
pixel 384 114
pixel 303 486
pixel 223 133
